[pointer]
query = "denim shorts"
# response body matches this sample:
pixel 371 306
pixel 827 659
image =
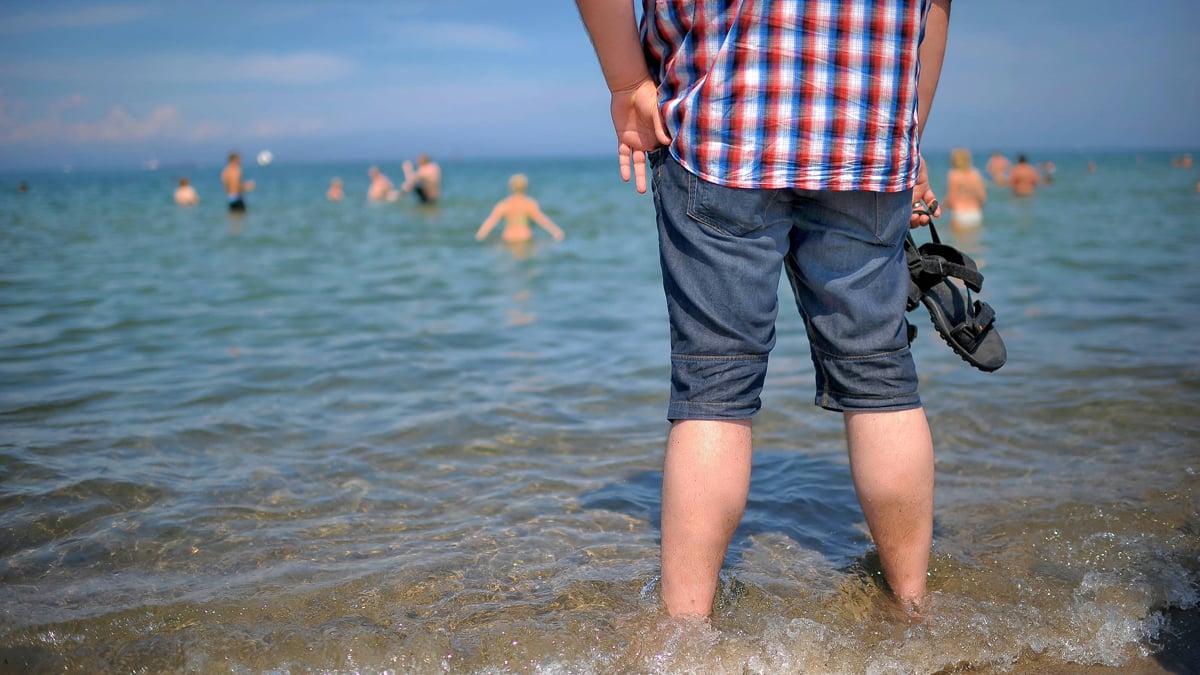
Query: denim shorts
pixel 722 251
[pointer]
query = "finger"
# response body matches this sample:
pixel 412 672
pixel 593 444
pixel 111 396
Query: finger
pixel 660 130
pixel 639 170
pixel 623 152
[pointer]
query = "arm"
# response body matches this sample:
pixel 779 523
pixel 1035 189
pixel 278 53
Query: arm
pixel 612 26
pixel 547 224
pixel 410 176
pixel 932 53
pixel 490 222
pixel 951 187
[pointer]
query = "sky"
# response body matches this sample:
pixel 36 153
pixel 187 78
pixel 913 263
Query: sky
pixel 119 83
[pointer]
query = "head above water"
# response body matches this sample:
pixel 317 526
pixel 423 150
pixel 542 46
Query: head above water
pixel 519 183
pixel 960 158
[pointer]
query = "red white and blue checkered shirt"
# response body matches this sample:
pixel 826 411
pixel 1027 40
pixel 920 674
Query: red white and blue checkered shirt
pixel 809 94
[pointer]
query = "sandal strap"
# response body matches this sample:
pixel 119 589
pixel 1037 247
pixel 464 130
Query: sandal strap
pixel 938 265
pixel 970 331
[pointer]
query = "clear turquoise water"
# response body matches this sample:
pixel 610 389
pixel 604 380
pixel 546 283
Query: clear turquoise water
pixel 347 437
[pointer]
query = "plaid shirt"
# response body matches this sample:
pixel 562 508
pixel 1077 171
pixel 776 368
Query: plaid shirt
pixel 810 94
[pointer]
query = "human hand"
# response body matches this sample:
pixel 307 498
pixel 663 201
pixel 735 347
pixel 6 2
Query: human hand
pixel 924 200
pixel 639 128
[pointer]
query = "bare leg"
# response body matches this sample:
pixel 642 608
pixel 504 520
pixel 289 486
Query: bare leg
pixel 706 479
pixel 891 459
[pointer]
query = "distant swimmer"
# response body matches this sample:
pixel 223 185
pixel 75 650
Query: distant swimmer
pixel 1182 162
pixel 22 188
pixel 425 180
pixel 966 191
pixel 335 192
pixel 235 187
pixel 381 188
pixel 185 194
pixel 1047 169
pixel 997 167
pixel 1023 179
pixel 517 210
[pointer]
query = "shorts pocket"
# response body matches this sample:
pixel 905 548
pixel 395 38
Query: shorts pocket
pixel 730 211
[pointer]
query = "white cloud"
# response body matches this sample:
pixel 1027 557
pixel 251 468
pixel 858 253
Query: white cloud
pixel 84 17
pixel 117 125
pixel 87 124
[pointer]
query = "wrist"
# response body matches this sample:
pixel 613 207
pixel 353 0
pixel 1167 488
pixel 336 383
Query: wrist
pixel 628 85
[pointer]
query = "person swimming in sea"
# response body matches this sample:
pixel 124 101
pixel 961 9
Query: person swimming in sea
pixel 425 180
pixel 517 210
pixel 966 191
pixel 1024 179
pixel 380 188
pixel 335 193
pixel 185 194
pixel 998 167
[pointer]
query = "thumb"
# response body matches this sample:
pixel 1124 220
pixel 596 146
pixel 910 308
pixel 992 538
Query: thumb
pixel 660 132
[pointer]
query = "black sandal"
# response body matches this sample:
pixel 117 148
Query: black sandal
pixel 967 325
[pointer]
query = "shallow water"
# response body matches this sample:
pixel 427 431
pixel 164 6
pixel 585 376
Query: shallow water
pixel 347 437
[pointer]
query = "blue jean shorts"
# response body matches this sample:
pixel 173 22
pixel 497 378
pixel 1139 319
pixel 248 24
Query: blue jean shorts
pixel 722 251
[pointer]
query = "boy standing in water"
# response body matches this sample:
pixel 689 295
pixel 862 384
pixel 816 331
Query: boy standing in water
pixel 231 178
pixel 517 210
pixel 781 135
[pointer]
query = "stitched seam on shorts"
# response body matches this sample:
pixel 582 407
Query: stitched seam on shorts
pixel 879 226
pixel 859 357
pixel 845 395
pixel 695 215
pixel 735 357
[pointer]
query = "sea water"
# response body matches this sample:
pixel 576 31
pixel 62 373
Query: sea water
pixel 336 437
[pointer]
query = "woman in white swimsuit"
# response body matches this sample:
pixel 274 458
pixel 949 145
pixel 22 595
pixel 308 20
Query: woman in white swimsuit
pixel 966 191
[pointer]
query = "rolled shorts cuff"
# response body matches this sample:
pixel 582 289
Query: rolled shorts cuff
pixel 877 382
pixel 838 402
pixel 716 387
